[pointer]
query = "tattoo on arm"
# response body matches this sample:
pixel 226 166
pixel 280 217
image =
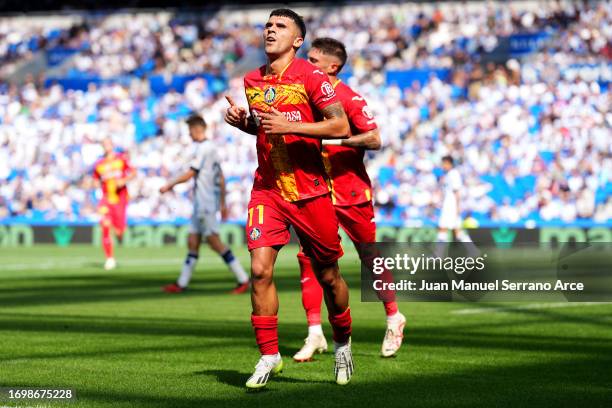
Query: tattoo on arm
pixel 333 111
pixel 369 140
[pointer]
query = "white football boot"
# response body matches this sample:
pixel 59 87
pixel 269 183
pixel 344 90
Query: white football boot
pixel 110 264
pixel 314 343
pixel 343 367
pixel 394 335
pixel 267 366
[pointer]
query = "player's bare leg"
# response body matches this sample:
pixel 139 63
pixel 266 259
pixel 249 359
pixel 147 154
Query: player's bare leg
pixel 264 319
pixel 107 245
pixel 193 246
pixel 442 240
pixel 119 235
pixel 215 243
pixel 335 292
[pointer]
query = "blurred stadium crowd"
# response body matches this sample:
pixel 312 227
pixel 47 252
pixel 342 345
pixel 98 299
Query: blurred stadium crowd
pixel 531 133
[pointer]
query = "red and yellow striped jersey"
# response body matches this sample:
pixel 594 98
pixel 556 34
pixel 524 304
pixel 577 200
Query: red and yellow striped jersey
pixel 108 170
pixel 290 165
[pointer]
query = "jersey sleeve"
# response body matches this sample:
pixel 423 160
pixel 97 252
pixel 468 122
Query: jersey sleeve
pixel 320 91
pixel 360 115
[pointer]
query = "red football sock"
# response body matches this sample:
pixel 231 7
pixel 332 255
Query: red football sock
pixel 266 333
pixel 390 308
pixel 312 293
pixel 341 325
pixel 107 241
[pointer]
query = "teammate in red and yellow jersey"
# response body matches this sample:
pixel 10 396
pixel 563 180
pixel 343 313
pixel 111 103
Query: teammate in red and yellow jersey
pixel 351 196
pixel 112 172
pixel 288 99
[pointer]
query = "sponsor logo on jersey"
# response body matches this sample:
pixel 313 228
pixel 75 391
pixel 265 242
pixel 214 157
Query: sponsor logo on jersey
pixel 367 112
pixel 254 234
pixel 270 95
pixel 328 90
pixel 293 116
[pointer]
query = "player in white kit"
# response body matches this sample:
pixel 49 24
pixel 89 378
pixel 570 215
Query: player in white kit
pixel 450 214
pixel 208 199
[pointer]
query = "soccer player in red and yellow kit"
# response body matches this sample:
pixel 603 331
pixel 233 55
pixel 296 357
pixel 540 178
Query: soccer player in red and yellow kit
pixel 351 196
pixel 288 99
pixel 112 171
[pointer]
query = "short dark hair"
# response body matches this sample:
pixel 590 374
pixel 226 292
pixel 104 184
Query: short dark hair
pixel 448 159
pixel 333 47
pixel 195 120
pixel 297 19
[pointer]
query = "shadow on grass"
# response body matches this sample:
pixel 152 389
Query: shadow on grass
pixel 237 379
pixel 215 332
pixel 555 315
pixel 569 383
pixel 116 288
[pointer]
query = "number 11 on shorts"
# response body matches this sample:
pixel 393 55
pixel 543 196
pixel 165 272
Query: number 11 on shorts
pixel 260 214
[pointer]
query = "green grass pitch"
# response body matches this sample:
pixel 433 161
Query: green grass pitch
pixel 121 342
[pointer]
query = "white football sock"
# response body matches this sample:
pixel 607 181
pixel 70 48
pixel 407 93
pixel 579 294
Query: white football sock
pixel 234 265
pixel 187 271
pixel 463 236
pixel 394 318
pixel 273 358
pixel 238 270
pixel 315 330
pixel 443 236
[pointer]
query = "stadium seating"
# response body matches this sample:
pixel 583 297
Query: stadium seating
pixel 530 130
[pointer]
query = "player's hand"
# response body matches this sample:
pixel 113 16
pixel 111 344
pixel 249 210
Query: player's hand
pixel 235 115
pixel 275 123
pixel 120 182
pixel 224 212
pixel 165 189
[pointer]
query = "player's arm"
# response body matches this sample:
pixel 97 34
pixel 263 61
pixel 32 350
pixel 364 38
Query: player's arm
pixel 222 190
pixel 335 125
pixel 458 201
pixel 96 179
pixel 236 116
pixel 183 178
pixel 130 174
pixel 369 140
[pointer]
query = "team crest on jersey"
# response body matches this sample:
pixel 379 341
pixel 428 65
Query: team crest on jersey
pixel 270 95
pixel 254 234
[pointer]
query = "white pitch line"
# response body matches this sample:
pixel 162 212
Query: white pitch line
pixel 552 305
pixel 83 262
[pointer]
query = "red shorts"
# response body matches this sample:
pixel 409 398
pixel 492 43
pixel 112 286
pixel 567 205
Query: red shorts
pixel 314 220
pixel 113 215
pixel 358 222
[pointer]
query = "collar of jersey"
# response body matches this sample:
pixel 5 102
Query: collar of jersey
pixel 279 76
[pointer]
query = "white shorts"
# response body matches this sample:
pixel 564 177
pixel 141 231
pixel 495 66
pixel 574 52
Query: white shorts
pixel 449 216
pixel 449 221
pixel 204 224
